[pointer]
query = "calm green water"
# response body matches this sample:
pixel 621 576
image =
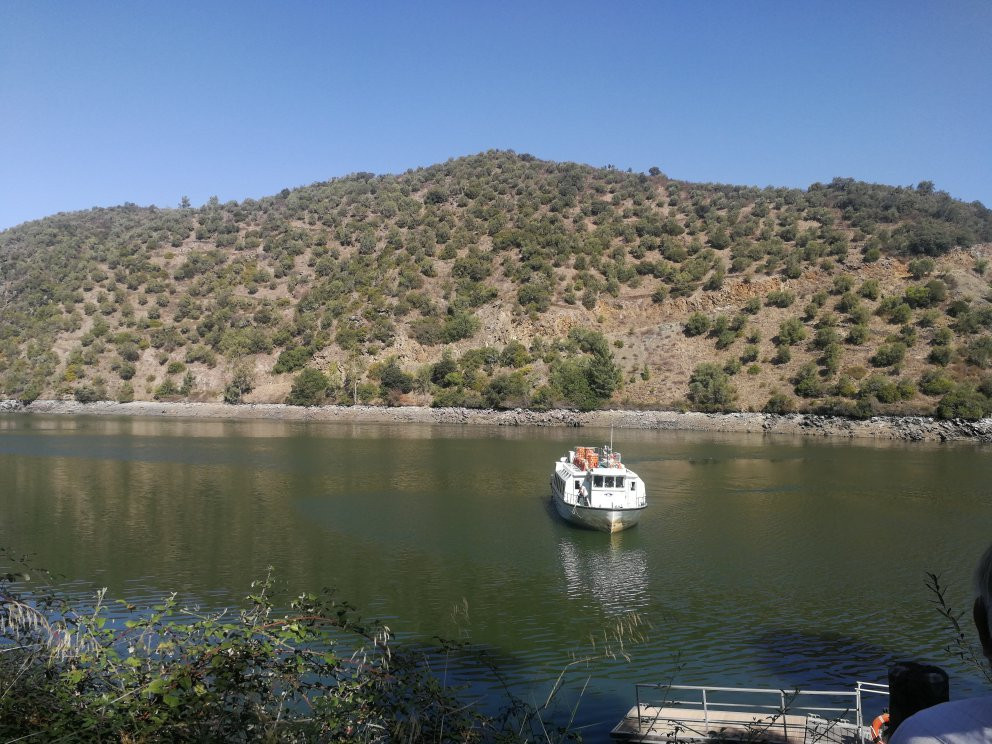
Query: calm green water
pixel 760 561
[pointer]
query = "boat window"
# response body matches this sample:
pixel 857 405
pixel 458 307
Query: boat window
pixel 578 485
pixel 609 481
pixel 598 481
pixel 619 481
pixel 633 486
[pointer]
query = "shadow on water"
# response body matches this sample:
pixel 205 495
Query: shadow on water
pixel 802 658
pixel 559 692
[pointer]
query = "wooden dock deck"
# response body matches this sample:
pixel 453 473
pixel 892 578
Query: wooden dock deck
pixel 694 724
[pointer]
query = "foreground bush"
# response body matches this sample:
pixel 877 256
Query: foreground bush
pixel 318 673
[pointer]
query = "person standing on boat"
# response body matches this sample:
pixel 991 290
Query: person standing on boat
pixel 966 721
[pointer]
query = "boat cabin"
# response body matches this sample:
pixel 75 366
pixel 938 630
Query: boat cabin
pixel 597 479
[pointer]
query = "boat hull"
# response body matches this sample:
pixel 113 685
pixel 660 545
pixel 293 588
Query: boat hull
pixel 605 520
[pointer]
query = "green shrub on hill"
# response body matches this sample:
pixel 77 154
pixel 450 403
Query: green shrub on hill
pixel 309 388
pixel 710 388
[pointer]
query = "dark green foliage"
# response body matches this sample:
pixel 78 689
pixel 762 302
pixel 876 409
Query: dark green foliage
pixel 309 388
pixel 126 370
pixel 889 354
pixel 587 381
pixel 719 238
pixel 847 302
pixel 244 341
pixel 442 369
pixel 907 389
pixel 427 331
pixel 861 409
pixel 940 355
pixel 830 359
pixel 880 388
pixel 242 383
pixel 293 359
pixel 189 383
pixel 696 325
pixel 535 296
pixel 459 326
pixel 972 320
pixel 920 267
pixel 900 314
pixel 780 404
pixel 199 262
pixel 857 335
pixel 780 298
pixel 870 289
pixel 791 332
pixel 503 388
pixel 979 352
pixel 845 387
pixel 807 381
pixel 392 378
pixel 514 355
pixel 29 394
pixel 87 394
pixel 825 336
pixel 603 375
pixel 927 295
pixel 964 402
pixel 783 355
pixel 474 267
pixel 431 331
pixel 710 388
pixel 935 382
pixel 929 237
pixel 842 284
pixel 569 379
pixel 726 331
pixel 201 354
pixel 313 672
pixel 168 390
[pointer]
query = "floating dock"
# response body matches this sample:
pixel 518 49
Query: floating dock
pixel 749 714
pixel 686 724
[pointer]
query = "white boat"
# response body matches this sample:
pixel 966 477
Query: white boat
pixel 593 488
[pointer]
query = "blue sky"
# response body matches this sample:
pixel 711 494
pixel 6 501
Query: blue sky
pixel 107 102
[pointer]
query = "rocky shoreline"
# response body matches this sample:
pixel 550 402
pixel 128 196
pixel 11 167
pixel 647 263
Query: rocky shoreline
pixel 906 428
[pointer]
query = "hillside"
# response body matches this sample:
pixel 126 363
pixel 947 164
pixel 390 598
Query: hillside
pixel 502 280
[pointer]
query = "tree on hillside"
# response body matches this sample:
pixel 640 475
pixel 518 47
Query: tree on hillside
pixel 241 384
pixel 309 388
pixel 710 388
pixel 393 379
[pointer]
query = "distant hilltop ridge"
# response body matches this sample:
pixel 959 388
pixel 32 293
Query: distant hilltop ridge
pixel 499 281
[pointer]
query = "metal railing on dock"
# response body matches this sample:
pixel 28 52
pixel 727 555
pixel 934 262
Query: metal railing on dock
pixel 698 712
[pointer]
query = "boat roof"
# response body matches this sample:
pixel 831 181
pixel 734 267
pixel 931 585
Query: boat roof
pixel 576 470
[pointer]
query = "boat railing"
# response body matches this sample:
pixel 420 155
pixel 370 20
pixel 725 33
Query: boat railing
pixel 769 709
